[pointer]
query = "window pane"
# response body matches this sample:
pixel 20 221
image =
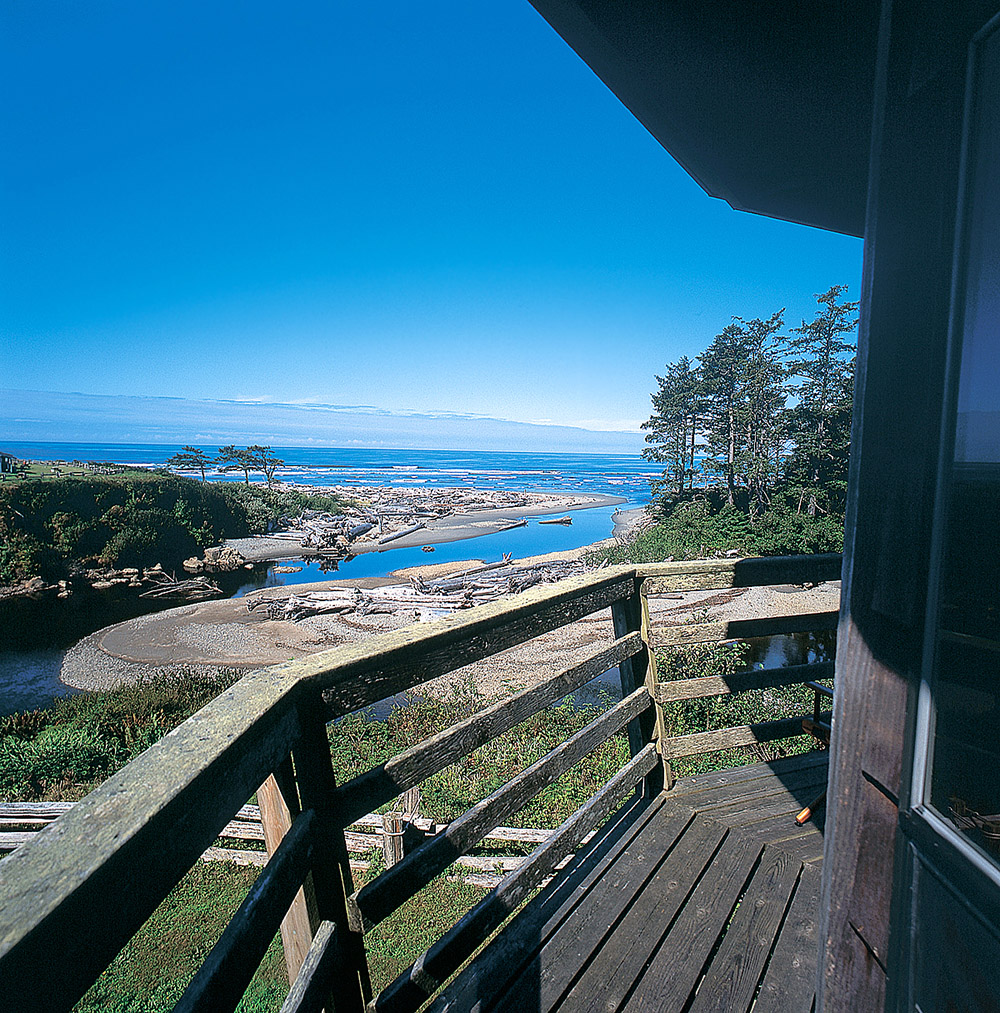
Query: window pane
pixel 965 771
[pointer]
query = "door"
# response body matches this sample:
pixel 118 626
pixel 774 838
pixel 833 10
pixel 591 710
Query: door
pixel 946 910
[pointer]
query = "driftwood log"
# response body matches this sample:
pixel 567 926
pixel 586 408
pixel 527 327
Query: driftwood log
pixel 474 586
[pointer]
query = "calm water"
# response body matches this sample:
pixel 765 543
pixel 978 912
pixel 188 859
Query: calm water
pixel 31 678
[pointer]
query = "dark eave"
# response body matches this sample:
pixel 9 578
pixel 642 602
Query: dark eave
pixel 766 105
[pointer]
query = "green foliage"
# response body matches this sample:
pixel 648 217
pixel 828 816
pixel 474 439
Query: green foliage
pixel 135 519
pixel 67 750
pixel 358 742
pixel 702 528
pixel 733 405
pixel 672 429
pixel 689 716
pixel 191 459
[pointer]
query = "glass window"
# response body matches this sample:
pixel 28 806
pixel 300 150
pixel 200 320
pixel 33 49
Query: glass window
pixel 964 784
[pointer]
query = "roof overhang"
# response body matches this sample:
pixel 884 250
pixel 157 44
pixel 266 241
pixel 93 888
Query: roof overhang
pixel 766 105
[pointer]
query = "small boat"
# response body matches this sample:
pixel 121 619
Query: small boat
pixel 557 520
pixel 426 548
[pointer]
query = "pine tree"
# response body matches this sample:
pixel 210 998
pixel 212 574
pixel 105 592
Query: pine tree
pixel 820 423
pixel 262 460
pixel 761 408
pixel 723 366
pixel 672 429
pixel 231 458
pixel 190 458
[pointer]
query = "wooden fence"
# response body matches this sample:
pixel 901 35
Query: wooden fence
pixel 84 885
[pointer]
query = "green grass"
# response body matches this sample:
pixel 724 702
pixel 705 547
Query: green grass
pixel 62 753
pixel 151 972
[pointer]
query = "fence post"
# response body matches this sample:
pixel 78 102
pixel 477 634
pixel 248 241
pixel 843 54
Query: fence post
pixel 279 805
pixel 331 874
pixel 627 616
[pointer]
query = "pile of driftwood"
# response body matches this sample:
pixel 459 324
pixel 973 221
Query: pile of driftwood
pixel 165 586
pixel 431 597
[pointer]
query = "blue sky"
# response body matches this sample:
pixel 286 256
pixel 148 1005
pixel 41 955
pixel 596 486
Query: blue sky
pixel 430 207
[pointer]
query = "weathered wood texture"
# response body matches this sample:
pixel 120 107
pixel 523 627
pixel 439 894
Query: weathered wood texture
pixel 727 738
pixel 356 675
pixel 742 629
pixel 73 890
pixel 221 980
pixel 315 981
pixel 629 617
pixel 277 810
pixel 382 784
pixel 435 965
pixel 707 686
pixel 331 871
pixel 378 899
pixel 719 574
pixel 688 910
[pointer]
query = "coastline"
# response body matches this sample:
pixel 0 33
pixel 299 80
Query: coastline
pixel 456 526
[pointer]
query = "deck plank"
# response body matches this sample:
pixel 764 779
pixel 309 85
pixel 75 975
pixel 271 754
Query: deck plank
pixel 535 924
pixel 792 785
pixel 735 971
pixel 789 984
pixel 678 908
pixel 608 979
pixel 622 889
pixel 677 965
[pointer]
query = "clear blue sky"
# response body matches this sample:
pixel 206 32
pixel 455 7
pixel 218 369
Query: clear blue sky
pixel 427 207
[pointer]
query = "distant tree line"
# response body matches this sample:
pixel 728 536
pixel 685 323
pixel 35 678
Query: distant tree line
pixel 229 458
pixel 768 413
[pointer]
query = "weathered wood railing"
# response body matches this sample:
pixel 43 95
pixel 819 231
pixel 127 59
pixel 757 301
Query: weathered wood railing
pixel 83 886
pixel 668 578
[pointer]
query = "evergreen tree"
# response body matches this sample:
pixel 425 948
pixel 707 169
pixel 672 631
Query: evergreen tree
pixel 820 423
pixel 672 429
pixel 723 366
pixel 262 460
pixel 231 458
pixel 760 410
pixel 191 458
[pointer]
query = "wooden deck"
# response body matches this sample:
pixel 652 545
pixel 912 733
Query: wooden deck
pixel 705 899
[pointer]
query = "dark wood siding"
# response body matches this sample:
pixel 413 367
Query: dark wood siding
pixel 905 310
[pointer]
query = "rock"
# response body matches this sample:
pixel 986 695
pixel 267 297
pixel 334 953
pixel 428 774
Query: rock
pixel 130 571
pixel 102 585
pixel 194 565
pixel 35 587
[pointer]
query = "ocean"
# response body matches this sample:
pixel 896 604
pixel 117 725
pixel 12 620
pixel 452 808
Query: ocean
pixel 30 679
pixel 626 475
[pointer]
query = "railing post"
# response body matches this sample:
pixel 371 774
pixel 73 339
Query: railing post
pixel 279 805
pixel 331 875
pixel 627 616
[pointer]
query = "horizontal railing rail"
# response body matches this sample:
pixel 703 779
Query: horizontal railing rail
pixel 84 885
pixel 662 579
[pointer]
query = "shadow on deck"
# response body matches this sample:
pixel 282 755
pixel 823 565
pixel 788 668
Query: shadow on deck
pixel 705 899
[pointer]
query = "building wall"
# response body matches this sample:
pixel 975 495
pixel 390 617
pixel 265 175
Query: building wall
pixel 909 240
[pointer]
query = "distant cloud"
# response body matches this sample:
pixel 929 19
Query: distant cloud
pixel 49 416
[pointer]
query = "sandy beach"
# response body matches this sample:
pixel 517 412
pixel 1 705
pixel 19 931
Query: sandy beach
pixel 469 516
pixel 209 635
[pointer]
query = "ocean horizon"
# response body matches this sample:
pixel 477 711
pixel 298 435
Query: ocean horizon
pixel 613 474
